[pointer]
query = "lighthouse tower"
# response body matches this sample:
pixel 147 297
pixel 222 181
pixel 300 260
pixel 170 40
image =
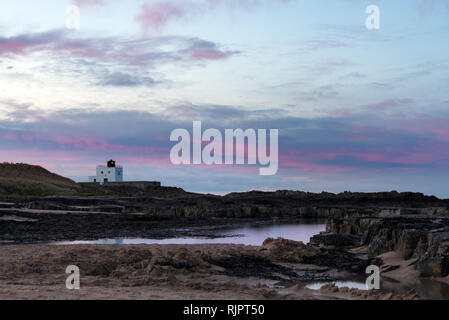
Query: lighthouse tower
pixel 109 173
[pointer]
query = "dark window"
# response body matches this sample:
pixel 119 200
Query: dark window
pixel 105 180
pixel 95 180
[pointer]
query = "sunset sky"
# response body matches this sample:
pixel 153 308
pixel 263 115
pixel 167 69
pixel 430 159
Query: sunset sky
pixel 356 109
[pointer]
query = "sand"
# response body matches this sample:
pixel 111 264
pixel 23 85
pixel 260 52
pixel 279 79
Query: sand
pixel 153 272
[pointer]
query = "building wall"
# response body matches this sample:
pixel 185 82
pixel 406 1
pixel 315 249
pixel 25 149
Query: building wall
pixel 111 174
pixel 118 174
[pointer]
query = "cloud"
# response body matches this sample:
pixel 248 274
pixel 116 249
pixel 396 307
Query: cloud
pixel 205 50
pixel 89 3
pixel 26 43
pixel 316 145
pixel 154 16
pixel 353 75
pixel 387 104
pixel 330 150
pixel 23 111
pixel 427 6
pixel 110 61
pixel 120 79
pixel 141 52
pixel 360 163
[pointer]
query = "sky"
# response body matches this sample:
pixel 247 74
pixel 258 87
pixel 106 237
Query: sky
pixel 356 109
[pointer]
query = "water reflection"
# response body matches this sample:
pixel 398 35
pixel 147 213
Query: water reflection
pixel 247 235
pixel 428 289
pixel 16 219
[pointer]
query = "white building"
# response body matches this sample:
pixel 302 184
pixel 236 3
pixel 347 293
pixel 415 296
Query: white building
pixel 108 173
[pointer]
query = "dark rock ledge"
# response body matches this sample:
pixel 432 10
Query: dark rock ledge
pixel 422 239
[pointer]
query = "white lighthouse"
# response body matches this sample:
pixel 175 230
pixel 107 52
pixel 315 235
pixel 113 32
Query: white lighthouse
pixel 109 173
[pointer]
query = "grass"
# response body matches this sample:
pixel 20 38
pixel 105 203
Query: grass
pixel 25 179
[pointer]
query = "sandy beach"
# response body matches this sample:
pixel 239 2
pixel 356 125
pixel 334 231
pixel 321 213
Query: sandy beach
pixel 218 272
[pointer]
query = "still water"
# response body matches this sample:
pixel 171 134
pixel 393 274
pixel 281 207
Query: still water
pixel 428 289
pixel 246 234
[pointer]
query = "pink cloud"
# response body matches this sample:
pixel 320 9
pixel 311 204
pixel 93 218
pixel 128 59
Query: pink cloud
pixel 9 136
pixel 26 43
pixel 387 104
pixel 153 16
pixel 95 143
pixel 142 52
pixel 434 128
pixel 201 54
pixel 309 161
pixel 15 47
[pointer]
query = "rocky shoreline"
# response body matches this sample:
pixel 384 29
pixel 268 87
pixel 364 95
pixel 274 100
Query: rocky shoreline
pixel 174 202
pixel 420 238
pixel 406 235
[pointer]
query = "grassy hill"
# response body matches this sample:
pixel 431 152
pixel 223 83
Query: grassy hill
pixel 25 179
pixel 19 179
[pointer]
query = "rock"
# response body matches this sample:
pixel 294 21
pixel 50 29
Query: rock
pixel 380 243
pixel 387 296
pixel 338 240
pixel 387 268
pixel 283 250
pixel 421 237
pixel 436 266
pixel 408 242
pixel 288 250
